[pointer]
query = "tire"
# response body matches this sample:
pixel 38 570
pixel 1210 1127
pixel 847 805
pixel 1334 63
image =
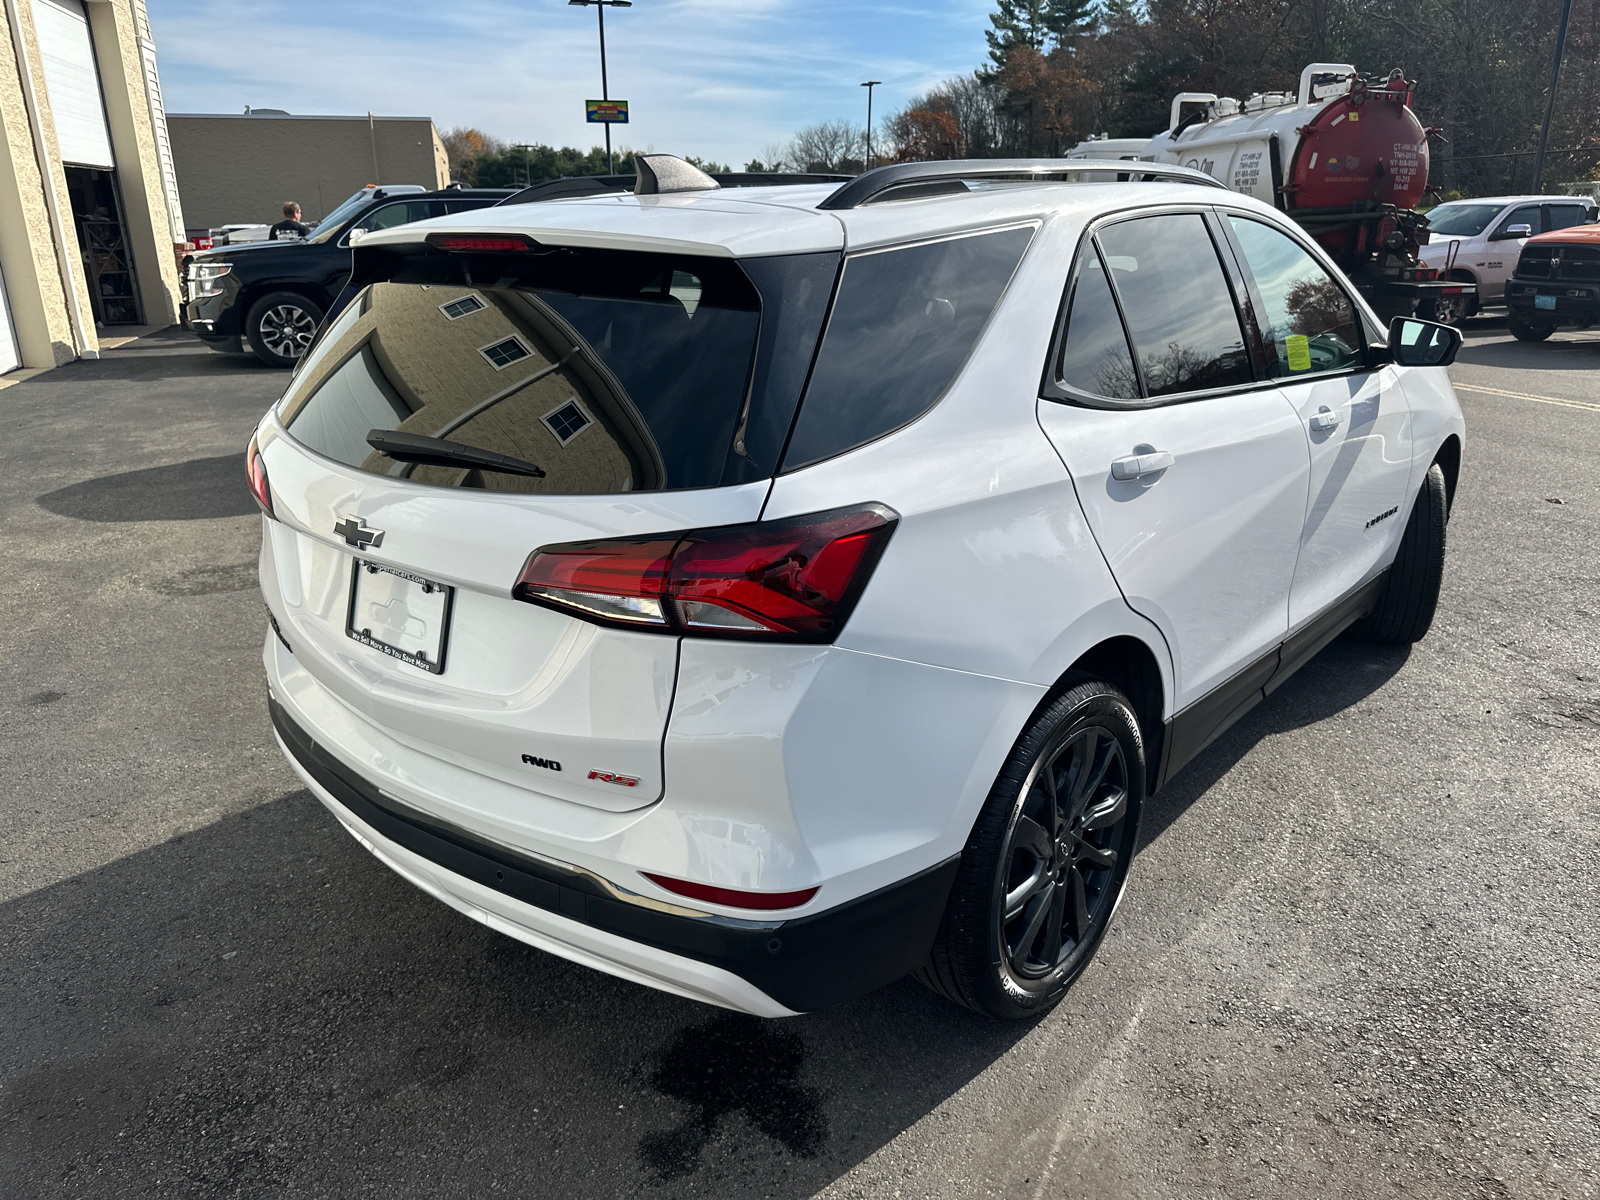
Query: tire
pixel 1446 310
pixel 1525 330
pixel 1065 886
pixel 1410 595
pixel 280 327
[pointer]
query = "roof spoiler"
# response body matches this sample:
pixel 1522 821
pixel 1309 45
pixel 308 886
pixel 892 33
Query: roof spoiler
pixel 911 180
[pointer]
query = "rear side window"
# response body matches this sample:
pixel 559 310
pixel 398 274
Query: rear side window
pixel 1565 216
pixel 1180 311
pixel 610 371
pixel 1307 319
pixel 1094 355
pixel 902 326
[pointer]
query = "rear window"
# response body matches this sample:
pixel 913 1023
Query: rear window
pixel 608 371
pixel 902 326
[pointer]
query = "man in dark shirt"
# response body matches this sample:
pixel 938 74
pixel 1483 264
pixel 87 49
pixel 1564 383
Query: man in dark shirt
pixel 291 228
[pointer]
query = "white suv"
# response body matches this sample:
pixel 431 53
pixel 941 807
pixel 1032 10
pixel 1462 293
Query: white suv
pixel 1478 241
pixel 762 595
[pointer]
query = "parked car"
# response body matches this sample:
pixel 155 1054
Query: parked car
pixel 270 297
pixel 764 596
pixel 1477 241
pixel 1557 283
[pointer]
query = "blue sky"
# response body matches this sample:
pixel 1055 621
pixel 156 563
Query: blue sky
pixel 716 78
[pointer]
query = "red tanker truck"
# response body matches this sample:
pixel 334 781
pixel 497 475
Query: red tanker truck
pixel 1346 157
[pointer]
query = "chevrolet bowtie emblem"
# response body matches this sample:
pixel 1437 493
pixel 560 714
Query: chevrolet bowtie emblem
pixel 358 535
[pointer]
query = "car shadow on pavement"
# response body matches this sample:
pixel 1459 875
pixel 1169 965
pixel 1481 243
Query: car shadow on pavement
pixel 1343 674
pixel 199 489
pixel 258 1007
pixel 1557 354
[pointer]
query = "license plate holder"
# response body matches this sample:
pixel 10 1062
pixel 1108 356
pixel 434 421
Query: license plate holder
pixel 400 614
pixel 1545 302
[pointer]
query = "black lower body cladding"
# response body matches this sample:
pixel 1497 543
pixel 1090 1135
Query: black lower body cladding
pixel 804 964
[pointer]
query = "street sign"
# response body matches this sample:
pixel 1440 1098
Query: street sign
pixel 607 112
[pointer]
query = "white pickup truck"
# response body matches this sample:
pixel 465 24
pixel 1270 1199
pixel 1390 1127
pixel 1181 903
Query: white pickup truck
pixel 1478 241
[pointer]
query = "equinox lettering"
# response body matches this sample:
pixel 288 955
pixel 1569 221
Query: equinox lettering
pixel 1383 516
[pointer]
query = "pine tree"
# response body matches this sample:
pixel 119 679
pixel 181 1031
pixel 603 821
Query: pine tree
pixel 1034 23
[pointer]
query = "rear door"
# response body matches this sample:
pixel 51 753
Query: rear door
pixel 1356 421
pixel 1191 474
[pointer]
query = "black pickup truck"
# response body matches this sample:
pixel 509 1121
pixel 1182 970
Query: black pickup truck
pixel 273 295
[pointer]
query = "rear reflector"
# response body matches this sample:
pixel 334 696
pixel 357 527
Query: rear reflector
pixel 256 472
pixel 795 580
pixel 732 897
pixel 491 243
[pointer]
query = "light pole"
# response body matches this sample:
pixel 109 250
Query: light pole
pixel 1550 105
pixel 869 85
pixel 600 7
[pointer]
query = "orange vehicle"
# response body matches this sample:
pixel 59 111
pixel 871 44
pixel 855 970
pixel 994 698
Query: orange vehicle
pixel 1557 282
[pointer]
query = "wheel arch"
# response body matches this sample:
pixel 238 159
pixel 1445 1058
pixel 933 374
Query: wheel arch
pixel 1448 458
pixel 1132 666
pixel 249 295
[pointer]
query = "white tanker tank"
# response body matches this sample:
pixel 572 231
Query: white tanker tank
pixel 1346 157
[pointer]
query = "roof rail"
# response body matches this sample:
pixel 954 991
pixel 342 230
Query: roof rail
pixel 878 183
pixel 569 186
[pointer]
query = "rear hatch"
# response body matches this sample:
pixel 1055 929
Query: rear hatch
pixel 468 408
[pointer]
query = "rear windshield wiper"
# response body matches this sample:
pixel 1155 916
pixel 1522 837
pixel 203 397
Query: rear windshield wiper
pixel 437 452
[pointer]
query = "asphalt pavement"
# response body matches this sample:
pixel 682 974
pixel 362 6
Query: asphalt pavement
pixel 1358 956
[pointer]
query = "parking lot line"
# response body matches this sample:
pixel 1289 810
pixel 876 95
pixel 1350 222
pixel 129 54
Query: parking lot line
pixel 1489 391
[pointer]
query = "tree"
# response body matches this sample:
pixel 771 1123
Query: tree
pixel 1034 23
pixel 921 134
pixel 463 146
pixel 830 146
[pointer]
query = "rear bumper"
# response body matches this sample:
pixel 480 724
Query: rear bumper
pixel 767 967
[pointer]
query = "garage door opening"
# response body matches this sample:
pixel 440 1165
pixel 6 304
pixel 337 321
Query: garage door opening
pixel 103 239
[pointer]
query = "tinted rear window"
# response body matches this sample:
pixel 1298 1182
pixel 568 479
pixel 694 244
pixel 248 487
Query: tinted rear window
pixel 611 371
pixel 902 326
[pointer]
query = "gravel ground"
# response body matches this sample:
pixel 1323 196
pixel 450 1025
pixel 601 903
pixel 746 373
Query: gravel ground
pixel 1357 957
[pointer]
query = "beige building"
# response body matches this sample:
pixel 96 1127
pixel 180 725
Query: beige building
pixel 241 169
pixel 89 210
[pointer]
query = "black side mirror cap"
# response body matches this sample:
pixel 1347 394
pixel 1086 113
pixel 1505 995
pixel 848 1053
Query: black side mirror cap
pixel 1414 343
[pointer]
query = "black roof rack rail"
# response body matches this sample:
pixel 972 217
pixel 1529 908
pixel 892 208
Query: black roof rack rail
pixel 569 186
pixel 923 178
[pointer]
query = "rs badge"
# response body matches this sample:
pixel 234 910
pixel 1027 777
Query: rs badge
pixel 613 777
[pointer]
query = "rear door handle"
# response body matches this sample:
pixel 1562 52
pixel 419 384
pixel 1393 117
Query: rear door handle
pixel 1137 465
pixel 1325 419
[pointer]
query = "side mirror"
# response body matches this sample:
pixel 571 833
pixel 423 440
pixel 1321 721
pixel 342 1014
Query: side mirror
pixel 354 236
pixel 1512 231
pixel 1414 343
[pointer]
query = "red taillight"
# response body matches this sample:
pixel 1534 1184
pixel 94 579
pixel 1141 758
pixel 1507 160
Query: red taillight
pixel 621 581
pixel 256 470
pixel 732 897
pixel 791 580
pixel 482 243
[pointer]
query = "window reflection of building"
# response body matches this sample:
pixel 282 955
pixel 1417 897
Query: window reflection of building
pixel 557 406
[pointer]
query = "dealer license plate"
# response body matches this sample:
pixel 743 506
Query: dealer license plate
pixel 403 615
pixel 1544 301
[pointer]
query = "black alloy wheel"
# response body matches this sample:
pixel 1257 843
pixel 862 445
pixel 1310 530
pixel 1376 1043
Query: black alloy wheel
pixel 281 327
pixel 1047 860
pixel 1057 889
